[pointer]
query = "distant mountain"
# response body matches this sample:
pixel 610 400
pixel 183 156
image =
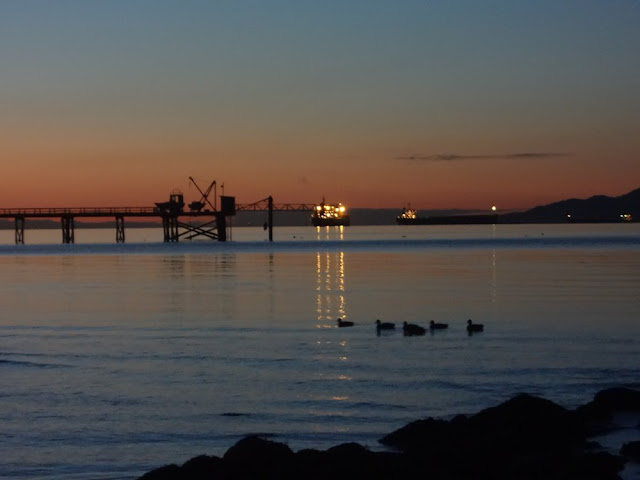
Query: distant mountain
pixel 595 209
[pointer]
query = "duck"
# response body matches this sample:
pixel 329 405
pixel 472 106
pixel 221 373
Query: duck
pixel 474 327
pixel 411 329
pixel 344 323
pixel 385 325
pixel 437 326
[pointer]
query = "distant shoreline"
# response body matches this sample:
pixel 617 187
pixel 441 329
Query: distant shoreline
pixel 359 218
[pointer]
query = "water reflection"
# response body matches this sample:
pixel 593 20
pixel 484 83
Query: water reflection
pixel 494 281
pixel 192 286
pixel 330 288
pixel 330 233
pixel 331 305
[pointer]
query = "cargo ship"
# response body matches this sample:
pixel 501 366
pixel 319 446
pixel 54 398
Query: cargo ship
pixel 410 216
pixel 326 215
pixel 407 217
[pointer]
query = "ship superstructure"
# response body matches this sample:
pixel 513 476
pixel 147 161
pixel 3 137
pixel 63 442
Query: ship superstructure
pixel 326 214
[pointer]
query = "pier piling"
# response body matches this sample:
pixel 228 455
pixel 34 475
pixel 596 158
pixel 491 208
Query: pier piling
pixel 270 206
pixel 119 228
pixel 19 224
pixel 68 228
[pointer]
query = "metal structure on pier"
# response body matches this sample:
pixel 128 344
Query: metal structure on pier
pixel 266 204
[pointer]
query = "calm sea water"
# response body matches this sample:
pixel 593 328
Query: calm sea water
pixel 116 359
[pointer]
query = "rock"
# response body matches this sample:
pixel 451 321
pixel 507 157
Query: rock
pixel 591 466
pixel 631 450
pixel 314 464
pixel 428 437
pixel 168 472
pixel 203 467
pixel 352 460
pixel 525 435
pixel 255 457
pixel 619 399
pixel 523 423
pixel 610 400
pixel 526 423
pixel 348 461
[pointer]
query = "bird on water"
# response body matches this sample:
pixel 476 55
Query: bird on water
pixel 410 329
pixel 385 325
pixel 474 327
pixel 437 326
pixel 344 323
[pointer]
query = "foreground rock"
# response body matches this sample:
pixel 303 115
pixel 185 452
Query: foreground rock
pixel 523 438
pixel 607 402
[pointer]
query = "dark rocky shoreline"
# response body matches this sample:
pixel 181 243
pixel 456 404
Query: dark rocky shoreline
pixel 526 437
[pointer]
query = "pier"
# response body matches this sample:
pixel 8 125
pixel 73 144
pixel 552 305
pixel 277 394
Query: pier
pixel 200 219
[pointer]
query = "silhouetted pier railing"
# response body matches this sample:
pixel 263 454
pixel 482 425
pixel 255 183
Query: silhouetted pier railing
pixel 80 212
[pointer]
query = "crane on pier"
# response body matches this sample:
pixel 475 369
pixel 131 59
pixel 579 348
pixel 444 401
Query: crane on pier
pixel 204 199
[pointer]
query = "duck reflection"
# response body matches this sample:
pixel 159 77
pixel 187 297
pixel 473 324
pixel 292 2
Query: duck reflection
pixel 330 286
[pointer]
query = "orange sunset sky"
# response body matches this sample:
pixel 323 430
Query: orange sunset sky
pixel 457 104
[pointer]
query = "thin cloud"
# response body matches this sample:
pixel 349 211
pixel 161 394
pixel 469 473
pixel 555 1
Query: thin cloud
pixel 454 157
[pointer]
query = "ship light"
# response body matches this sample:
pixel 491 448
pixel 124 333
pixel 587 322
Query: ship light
pixel 318 207
pixel 342 209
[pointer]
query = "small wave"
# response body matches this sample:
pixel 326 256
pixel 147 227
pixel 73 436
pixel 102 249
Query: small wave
pixel 20 363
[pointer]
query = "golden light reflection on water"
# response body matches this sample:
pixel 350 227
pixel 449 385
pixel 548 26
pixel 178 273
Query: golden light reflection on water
pixel 331 305
pixel 330 288
pixel 494 261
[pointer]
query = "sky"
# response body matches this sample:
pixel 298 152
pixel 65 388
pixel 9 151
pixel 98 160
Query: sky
pixel 372 103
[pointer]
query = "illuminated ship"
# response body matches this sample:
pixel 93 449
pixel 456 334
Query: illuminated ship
pixel 410 216
pixel 325 215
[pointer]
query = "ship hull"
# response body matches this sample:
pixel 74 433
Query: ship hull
pixel 450 220
pixel 344 221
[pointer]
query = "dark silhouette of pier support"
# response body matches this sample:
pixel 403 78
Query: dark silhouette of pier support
pixel 119 228
pixel 67 223
pixel 270 217
pixel 221 221
pixel 19 224
pixel 170 228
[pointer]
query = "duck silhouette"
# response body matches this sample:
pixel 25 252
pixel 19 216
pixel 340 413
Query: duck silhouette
pixel 344 323
pixel 437 326
pixel 474 327
pixel 384 327
pixel 410 329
